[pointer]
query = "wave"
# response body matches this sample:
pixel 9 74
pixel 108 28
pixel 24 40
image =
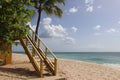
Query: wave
pixel 112 65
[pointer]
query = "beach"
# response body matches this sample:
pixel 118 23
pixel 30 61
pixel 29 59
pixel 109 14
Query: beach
pixel 22 69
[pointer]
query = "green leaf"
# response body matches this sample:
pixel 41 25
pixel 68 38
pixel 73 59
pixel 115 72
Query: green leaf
pixel 0 6
pixel 8 1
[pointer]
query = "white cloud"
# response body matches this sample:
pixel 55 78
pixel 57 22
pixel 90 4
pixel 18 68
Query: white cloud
pixel 69 40
pixel 73 10
pixel 89 8
pixel 89 5
pixel 97 27
pixel 111 30
pixel 53 31
pixel 47 21
pixel 89 1
pixel 74 29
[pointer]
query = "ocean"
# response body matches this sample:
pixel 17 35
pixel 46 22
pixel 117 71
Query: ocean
pixel 106 58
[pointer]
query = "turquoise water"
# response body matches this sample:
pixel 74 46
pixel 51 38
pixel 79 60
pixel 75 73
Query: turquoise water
pixel 107 58
pixel 97 57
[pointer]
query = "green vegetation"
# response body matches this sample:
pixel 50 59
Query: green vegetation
pixel 14 15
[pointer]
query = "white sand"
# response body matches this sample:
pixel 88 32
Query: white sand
pixel 21 69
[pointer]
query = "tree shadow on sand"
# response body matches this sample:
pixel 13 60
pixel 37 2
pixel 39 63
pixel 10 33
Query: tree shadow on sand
pixel 18 72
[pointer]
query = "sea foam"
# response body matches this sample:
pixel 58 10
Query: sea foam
pixel 112 65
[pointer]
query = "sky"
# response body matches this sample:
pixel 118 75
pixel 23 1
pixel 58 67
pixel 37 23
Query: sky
pixel 86 26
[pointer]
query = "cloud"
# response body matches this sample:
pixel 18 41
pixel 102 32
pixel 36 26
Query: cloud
pixel 89 8
pixel 69 40
pixel 47 21
pixel 74 29
pixel 89 1
pixel 53 31
pixel 73 10
pixel 56 31
pixel 97 27
pixel 89 5
pixel 50 30
pixel 112 30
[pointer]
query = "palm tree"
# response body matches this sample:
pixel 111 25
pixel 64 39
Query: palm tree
pixel 50 7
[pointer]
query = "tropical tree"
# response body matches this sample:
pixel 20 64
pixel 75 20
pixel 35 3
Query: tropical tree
pixel 50 7
pixel 13 18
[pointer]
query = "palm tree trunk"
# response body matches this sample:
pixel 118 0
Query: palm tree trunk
pixel 38 22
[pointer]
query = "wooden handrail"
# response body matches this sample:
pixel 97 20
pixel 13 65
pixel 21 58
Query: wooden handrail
pixel 35 49
pixel 42 42
pixel 39 42
pixel 38 67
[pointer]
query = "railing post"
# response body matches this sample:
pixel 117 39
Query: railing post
pixel 33 35
pixel 38 43
pixel 33 51
pixel 41 68
pixel 55 66
pixel 46 52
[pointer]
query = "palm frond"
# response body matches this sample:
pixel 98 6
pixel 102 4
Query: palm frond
pixel 53 10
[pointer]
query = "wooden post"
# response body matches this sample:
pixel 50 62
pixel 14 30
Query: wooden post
pixel 38 43
pixel 41 68
pixel 55 68
pixel 7 57
pixel 33 36
pixel 46 52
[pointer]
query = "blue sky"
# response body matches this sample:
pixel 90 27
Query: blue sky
pixel 86 26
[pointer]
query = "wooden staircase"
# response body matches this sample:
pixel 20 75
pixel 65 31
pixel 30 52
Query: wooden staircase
pixel 39 54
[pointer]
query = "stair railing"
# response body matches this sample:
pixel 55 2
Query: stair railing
pixel 37 63
pixel 45 52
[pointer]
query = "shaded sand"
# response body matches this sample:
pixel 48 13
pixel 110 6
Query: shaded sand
pixel 21 69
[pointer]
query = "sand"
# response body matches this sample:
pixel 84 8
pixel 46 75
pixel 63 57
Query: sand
pixel 21 69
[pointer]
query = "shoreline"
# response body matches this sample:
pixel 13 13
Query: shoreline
pixel 104 64
pixel 114 66
pixel 21 69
